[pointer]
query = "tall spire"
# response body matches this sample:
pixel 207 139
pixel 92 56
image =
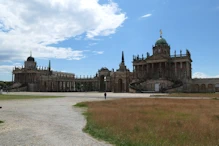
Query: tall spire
pixel 49 65
pixel 30 53
pixel 123 57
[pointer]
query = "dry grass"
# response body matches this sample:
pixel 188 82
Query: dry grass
pixel 155 121
pixel 212 95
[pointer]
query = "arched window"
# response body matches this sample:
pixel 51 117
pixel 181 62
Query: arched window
pixel 203 88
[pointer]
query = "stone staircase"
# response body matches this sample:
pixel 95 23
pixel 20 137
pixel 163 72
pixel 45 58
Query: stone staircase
pixel 140 86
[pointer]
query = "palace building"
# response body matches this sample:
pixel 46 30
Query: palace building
pixel 159 72
pixel 43 79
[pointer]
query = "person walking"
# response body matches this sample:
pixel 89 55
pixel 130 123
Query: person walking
pixel 105 95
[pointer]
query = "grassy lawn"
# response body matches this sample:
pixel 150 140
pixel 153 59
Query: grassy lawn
pixel 142 122
pixel 8 97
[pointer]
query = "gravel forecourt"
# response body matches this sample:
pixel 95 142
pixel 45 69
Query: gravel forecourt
pixel 49 121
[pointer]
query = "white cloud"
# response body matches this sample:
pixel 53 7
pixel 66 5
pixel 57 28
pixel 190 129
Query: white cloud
pixel 203 75
pixel 146 15
pixel 98 52
pixel 4 69
pixel 36 24
pixel 7 69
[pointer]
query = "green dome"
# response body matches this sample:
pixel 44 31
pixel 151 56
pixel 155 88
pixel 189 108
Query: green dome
pixel 161 41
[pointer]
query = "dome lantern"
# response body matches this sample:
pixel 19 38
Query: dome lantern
pixel 161 40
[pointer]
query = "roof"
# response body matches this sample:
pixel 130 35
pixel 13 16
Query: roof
pixel 30 58
pixel 161 41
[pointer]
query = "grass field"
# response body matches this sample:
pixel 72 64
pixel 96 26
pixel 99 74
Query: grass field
pixel 142 122
pixel 212 95
pixel 9 97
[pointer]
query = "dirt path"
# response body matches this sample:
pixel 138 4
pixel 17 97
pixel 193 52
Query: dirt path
pixel 44 122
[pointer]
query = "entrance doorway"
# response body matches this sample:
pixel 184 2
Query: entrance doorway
pixel 157 87
pixel 120 85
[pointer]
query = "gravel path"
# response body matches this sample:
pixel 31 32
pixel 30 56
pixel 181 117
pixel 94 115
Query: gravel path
pixel 50 122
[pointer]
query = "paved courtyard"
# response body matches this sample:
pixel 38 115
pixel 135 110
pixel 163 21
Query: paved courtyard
pixel 52 121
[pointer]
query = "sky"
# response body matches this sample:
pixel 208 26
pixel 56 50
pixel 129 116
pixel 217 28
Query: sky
pixel 82 36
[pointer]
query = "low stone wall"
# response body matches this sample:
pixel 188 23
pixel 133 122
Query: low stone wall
pixel 205 85
pixel 19 89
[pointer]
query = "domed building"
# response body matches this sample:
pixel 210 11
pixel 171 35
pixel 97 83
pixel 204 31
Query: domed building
pixel 34 78
pixel 161 70
pixel 30 63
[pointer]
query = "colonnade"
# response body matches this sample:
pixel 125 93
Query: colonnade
pixel 163 70
pixel 59 86
pixel 83 85
pixel 25 77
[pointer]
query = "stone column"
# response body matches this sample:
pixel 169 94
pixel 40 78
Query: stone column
pixel 57 85
pixel 152 68
pixel 175 69
pixel 188 71
pixel 142 71
pixel 64 86
pixel 134 71
pixel 137 71
pixel 147 67
pixel 70 84
pixel 69 87
pixel 61 85
pixel 181 70
pixel 73 85
pixel 165 69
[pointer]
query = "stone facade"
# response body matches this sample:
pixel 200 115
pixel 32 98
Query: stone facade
pixel 162 72
pixel 204 85
pixel 159 72
pixel 33 78
pixel 121 78
pixel 106 80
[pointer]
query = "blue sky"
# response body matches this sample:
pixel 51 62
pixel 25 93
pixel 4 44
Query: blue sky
pixel 82 36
